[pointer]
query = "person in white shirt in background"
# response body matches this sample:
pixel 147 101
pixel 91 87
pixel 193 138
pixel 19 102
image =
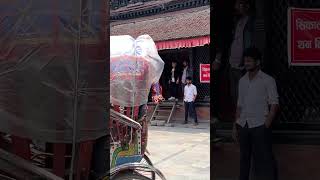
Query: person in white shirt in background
pixel 190 95
pixel 257 107
pixel 187 72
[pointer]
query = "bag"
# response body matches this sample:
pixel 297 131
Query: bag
pixel 134 66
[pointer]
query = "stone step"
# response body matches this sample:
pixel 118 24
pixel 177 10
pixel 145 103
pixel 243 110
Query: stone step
pixel 163 110
pixel 164 107
pixel 169 125
pixel 158 123
pixel 160 117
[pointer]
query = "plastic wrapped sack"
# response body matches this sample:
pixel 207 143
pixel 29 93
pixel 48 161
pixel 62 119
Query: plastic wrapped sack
pixel 134 66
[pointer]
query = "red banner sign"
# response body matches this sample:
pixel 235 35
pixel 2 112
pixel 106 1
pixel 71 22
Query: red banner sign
pixel 304 36
pixel 204 73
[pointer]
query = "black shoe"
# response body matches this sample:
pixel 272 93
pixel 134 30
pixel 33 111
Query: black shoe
pixel 196 124
pixel 185 122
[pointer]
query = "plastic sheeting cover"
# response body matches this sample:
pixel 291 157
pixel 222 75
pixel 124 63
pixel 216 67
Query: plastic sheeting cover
pixel 134 66
pixel 53 70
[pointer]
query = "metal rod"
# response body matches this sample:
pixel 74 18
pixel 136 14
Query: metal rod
pixel 134 82
pixel 154 112
pixel 126 120
pixel 20 162
pixel 75 104
pixel 171 113
pixel 134 166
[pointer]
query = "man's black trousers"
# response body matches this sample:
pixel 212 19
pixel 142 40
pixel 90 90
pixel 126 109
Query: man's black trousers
pixel 256 154
pixel 173 89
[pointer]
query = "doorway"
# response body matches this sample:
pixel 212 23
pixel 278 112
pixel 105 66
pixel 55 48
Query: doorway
pixel 178 55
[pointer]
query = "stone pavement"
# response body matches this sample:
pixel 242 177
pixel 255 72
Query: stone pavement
pixel 181 153
pixel 202 124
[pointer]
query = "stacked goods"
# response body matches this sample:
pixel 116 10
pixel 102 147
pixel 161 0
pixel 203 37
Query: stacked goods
pixel 135 66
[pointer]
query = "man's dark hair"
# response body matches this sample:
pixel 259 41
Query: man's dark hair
pixel 253 52
pixel 189 78
pixel 174 61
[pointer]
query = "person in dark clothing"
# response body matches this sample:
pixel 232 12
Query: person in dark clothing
pixel 186 72
pixel 174 80
pixel 222 27
pixel 230 54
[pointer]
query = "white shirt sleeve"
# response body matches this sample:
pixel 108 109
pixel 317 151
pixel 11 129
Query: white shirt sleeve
pixel 195 90
pixel 240 94
pixel 273 97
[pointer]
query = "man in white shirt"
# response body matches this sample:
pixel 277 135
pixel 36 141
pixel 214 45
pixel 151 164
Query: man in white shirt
pixel 190 95
pixel 257 106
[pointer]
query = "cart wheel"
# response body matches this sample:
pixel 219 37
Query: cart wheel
pixel 130 176
pixel 146 160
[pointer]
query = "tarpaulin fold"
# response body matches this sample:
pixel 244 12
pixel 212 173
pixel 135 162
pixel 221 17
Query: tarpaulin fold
pixel 135 66
pixel 52 53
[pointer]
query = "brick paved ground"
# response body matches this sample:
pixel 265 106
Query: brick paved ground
pixel 181 153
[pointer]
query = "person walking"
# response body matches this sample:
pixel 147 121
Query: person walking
pixel 256 109
pixel 190 95
pixel 187 72
pixel 174 81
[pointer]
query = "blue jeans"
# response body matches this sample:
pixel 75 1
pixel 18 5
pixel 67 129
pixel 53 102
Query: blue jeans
pixel 190 108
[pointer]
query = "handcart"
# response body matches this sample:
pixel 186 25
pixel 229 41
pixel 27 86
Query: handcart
pixel 128 149
pixel 135 69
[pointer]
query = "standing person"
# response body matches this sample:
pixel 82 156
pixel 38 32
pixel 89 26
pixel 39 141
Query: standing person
pixel 243 33
pixel 223 27
pixel 256 110
pixel 190 95
pixel 174 80
pixel 242 40
pixel 187 72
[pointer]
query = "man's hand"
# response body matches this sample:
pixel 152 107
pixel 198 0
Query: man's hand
pixel 268 122
pixel 237 115
pixel 177 81
pixel 273 111
pixel 235 133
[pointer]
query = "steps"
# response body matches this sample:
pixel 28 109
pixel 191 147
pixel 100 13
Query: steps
pixel 163 113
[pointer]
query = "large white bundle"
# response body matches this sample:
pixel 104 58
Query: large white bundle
pixel 134 66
